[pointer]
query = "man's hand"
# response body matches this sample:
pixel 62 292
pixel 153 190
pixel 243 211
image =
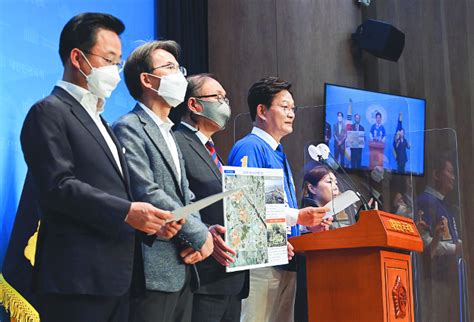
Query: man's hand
pixel 440 229
pixel 325 224
pixel 191 256
pixel 291 253
pixel 421 224
pixel 170 229
pixel 223 254
pixel 311 216
pixel 145 217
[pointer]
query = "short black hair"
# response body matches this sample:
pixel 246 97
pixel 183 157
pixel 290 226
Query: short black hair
pixel 139 61
pixel 340 114
pixel 378 114
pixel 263 92
pixel 440 162
pixel 81 32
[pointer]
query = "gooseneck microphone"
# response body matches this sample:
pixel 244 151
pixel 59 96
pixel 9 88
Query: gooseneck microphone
pixel 321 152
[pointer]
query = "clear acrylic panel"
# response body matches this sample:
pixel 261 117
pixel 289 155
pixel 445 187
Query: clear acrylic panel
pixel 366 159
pixel 440 271
pixel 405 171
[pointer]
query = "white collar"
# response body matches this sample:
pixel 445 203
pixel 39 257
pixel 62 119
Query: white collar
pixel 92 103
pixel 434 193
pixel 265 137
pixel 166 125
pixel 203 138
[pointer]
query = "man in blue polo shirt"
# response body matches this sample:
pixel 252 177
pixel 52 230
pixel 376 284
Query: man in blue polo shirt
pixel 272 290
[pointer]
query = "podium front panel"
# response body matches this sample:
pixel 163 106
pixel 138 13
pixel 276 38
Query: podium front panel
pixel 359 285
pixel 397 284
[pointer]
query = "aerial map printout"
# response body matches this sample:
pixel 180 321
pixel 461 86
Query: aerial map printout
pixel 255 217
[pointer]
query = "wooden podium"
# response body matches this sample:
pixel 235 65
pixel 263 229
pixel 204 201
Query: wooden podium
pixel 362 272
pixel 376 149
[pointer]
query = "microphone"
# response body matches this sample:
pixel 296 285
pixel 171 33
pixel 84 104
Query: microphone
pixel 321 152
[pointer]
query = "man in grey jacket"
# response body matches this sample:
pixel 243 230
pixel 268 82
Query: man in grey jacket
pixel 157 175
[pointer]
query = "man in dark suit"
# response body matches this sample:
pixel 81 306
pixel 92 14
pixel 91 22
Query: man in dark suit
pixel 86 241
pixel 356 153
pixel 158 176
pixel 205 112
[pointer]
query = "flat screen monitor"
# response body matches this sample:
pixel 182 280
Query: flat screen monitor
pixel 366 129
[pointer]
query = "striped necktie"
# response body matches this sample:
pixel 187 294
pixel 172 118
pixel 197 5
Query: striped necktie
pixel 212 151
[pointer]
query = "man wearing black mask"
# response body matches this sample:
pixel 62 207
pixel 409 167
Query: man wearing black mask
pixel 206 111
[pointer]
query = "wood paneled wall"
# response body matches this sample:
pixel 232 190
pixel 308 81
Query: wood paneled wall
pixel 298 41
pixel 307 42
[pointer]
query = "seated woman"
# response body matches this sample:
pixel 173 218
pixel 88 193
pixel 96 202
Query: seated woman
pixel 319 188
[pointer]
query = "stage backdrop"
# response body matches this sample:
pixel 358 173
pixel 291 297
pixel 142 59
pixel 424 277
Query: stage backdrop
pixel 30 66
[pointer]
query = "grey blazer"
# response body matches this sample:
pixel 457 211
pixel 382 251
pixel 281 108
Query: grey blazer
pixel 153 179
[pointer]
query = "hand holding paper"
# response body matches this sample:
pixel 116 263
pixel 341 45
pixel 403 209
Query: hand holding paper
pixel 340 203
pixel 170 229
pixel 312 216
pixel 144 217
pixel 183 212
pixel 223 254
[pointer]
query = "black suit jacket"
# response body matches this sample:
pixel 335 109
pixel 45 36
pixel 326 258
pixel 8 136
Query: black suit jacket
pixel 84 246
pixel 353 127
pixel 204 180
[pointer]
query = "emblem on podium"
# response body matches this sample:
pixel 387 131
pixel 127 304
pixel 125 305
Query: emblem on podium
pixel 399 295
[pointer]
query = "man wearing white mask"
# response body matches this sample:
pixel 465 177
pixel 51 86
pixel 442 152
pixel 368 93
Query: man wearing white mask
pixel 86 242
pixel 158 176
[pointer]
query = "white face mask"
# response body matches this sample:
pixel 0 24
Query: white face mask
pixel 172 88
pixel 102 80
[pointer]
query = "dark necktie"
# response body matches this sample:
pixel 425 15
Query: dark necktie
pixel 288 176
pixel 212 151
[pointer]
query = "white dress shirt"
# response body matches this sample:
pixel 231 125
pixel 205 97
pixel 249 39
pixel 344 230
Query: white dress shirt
pixel 201 136
pixel 94 106
pixel 292 213
pixel 165 129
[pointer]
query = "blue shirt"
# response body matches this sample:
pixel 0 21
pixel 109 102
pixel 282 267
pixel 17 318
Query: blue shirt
pixel 260 150
pixel 378 132
pixel 434 208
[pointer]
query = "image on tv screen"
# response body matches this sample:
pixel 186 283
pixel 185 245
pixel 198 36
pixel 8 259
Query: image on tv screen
pixel 366 129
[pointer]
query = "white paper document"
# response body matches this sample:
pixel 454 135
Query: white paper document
pixel 340 203
pixel 183 212
pixel 255 217
pixel 355 139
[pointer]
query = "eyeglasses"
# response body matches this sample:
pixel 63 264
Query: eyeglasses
pixel 287 109
pixel 108 61
pixel 172 67
pixel 220 98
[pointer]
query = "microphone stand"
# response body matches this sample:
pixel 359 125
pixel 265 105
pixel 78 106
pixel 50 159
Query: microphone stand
pixel 351 185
